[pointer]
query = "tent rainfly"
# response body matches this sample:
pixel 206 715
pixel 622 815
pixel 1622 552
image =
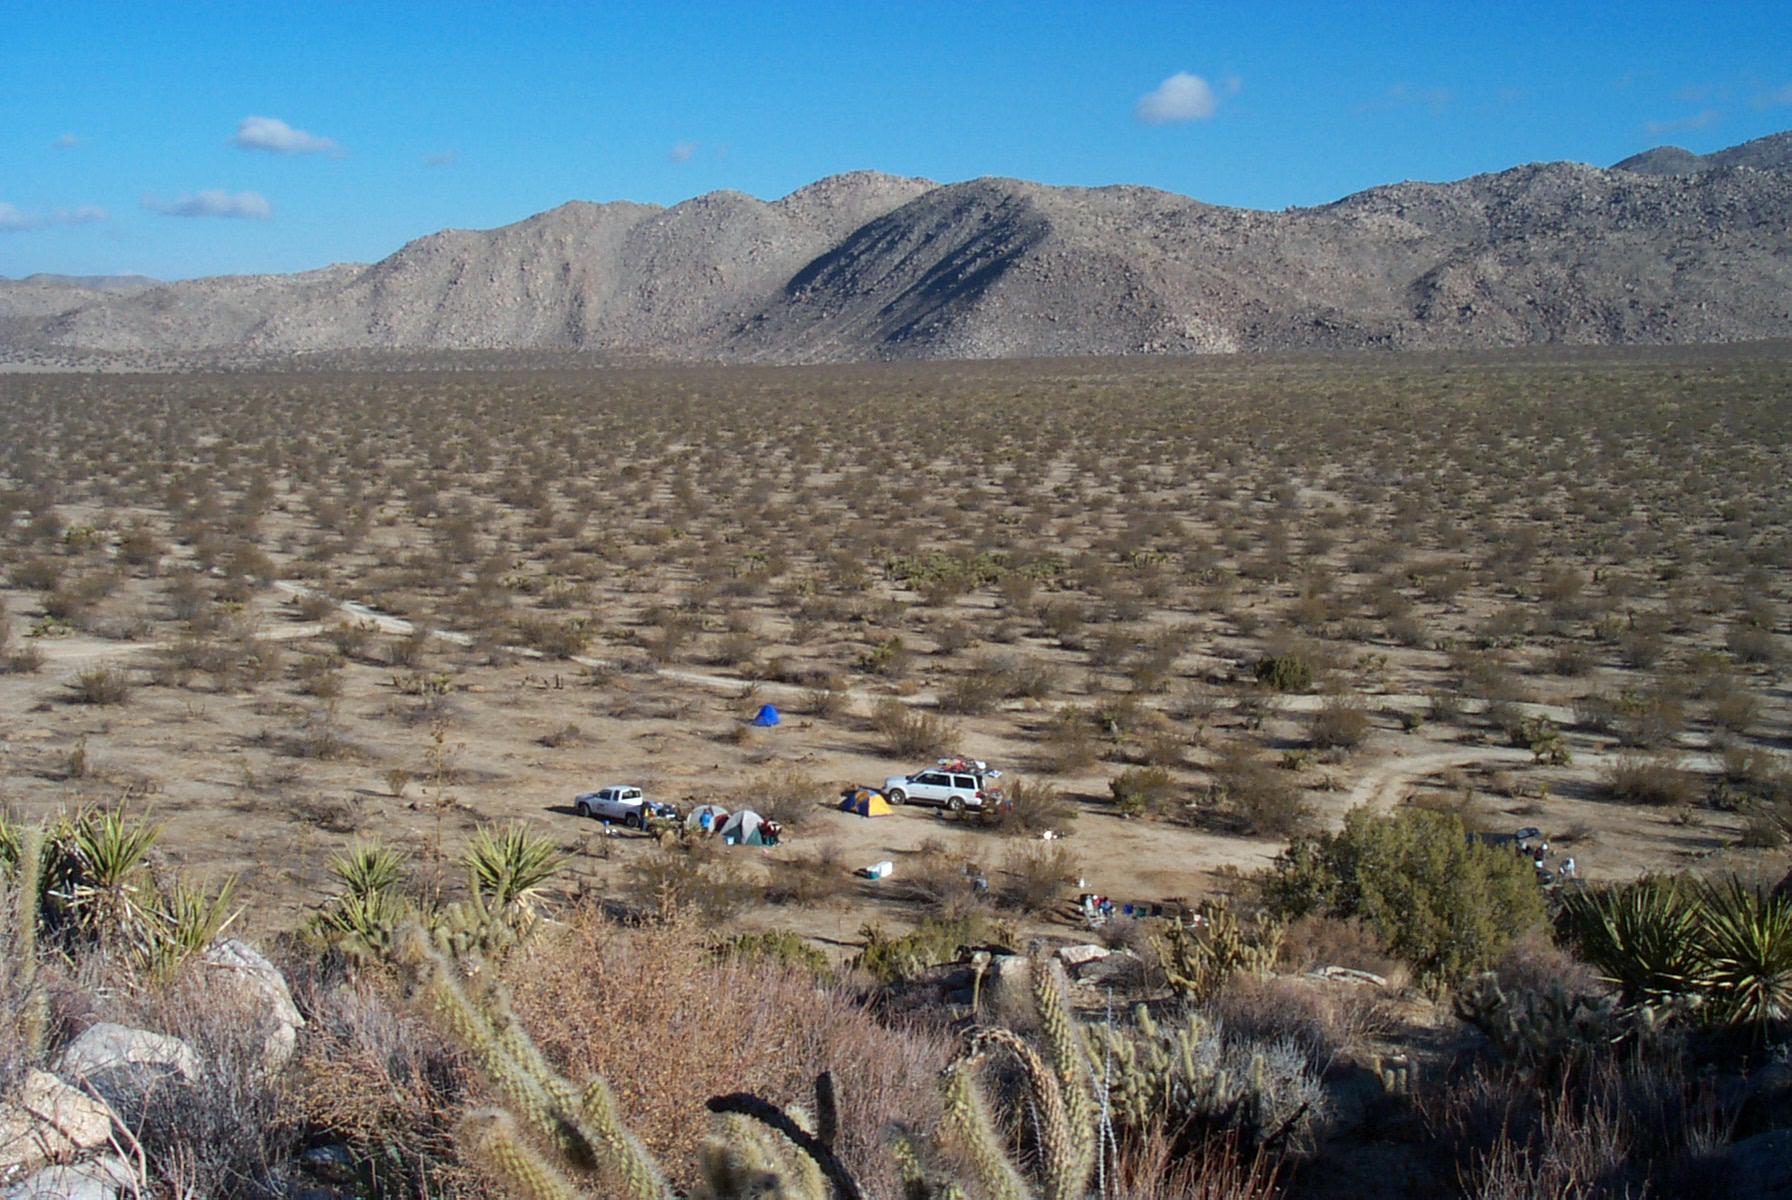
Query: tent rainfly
pixel 865 802
pixel 745 828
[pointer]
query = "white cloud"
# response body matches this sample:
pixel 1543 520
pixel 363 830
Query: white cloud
pixel 276 136
pixel 67 141
pixel 1698 121
pixel 444 158
pixel 1181 97
pixel 682 152
pixel 12 220
pixel 213 202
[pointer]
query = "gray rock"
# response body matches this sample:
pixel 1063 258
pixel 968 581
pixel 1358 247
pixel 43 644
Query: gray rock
pixel 47 1120
pixel 104 1178
pixel 264 990
pixel 128 1067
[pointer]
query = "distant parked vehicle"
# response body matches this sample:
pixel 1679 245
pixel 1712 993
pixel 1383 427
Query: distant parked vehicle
pixel 620 803
pixel 956 784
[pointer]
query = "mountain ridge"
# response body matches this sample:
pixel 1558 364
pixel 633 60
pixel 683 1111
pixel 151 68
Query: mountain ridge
pixel 865 266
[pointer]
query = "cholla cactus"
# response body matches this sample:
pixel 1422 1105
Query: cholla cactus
pixel 1189 1075
pixel 34 1012
pixel 1198 961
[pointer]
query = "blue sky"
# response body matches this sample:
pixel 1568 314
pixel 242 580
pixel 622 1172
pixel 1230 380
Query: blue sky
pixel 180 139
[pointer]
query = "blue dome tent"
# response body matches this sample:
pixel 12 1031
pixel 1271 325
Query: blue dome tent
pixel 768 715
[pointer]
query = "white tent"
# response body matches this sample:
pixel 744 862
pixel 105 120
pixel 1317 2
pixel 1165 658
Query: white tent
pixel 715 812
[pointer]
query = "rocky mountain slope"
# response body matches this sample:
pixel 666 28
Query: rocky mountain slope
pixel 1666 247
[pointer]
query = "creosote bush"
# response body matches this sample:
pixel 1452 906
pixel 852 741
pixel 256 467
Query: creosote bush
pixel 1444 903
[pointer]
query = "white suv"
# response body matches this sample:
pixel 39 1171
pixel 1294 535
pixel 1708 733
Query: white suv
pixel 615 803
pixel 954 784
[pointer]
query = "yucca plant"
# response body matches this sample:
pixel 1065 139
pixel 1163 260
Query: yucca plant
pixel 507 867
pixel 1747 935
pixel 1644 938
pixel 97 874
pixel 367 869
pixel 183 922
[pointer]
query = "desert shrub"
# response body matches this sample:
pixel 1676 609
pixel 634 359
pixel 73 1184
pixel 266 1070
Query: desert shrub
pixel 1250 796
pixel 912 732
pixel 1655 780
pixel 1570 660
pixel 1285 673
pixel 971 694
pixel 941 880
pixel 23 660
pixel 1142 791
pixel 1037 875
pixel 700 876
pixel 1319 940
pixel 555 638
pixel 815 876
pixel 934 940
pixel 1445 904
pixel 1069 741
pixel 787 795
pixel 381 1080
pixel 1750 644
pixel 1029 806
pixel 687 1026
pixel 780 947
pixel 1340 724
pixel 36 574
pixel 101 685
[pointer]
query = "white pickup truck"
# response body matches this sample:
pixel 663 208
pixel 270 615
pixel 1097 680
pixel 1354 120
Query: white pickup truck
pixel 617 803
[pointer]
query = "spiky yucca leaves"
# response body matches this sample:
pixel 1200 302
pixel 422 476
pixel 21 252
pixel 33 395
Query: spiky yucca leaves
pixel 508 866
pixel 1644 938
pixel 367 869
pixel 363 918
pixel 101 877
pixel 1747 937
pixel 182 922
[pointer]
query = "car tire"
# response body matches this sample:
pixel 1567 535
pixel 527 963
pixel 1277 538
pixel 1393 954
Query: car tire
pixel 956 804
pixel 632 820
pixel 896 796
pixel 585 811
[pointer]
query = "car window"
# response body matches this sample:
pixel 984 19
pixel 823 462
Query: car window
pixel 963 781
pixel 932 777
pixel 631 794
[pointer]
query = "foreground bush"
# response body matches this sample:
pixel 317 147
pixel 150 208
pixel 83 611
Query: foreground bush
pixel 1445 904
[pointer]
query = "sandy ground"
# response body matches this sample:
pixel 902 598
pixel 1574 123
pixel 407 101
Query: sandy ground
pixel 238 799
